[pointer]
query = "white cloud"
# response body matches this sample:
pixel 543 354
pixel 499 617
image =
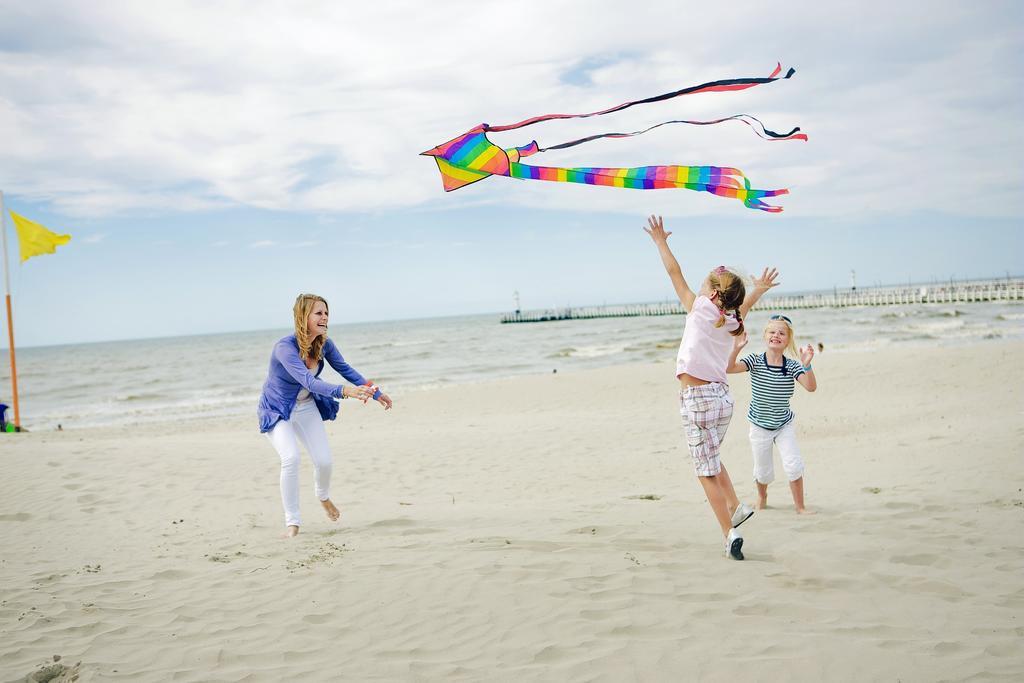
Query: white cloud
pixel 262 244
pixel 123 106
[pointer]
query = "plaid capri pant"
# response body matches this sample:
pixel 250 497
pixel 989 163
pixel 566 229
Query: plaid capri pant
pixel 706 411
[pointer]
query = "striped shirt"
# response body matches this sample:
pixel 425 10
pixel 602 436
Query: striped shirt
pixel 771 387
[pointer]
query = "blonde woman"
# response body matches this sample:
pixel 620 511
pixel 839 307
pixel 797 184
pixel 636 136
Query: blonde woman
pixel 773 378
pixel 295 403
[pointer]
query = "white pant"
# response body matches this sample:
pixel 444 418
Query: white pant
pixel 307 425
pixel 784 437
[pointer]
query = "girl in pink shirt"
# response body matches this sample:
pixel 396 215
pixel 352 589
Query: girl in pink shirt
pixel 714 316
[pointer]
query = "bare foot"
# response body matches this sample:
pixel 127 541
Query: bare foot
pixel 805 511
pixel 291 532
pixel 333 513
pixel 762 503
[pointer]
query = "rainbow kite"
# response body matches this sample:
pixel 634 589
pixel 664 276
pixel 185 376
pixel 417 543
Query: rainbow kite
pixel 471 156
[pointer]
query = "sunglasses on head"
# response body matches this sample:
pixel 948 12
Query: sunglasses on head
pixel 780 317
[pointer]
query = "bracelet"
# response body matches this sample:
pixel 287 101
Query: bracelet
pixel 807 368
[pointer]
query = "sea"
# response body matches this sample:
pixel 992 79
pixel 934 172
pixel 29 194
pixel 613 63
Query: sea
pixel 177 379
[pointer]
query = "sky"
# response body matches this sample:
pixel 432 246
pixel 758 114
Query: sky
pixel 213 159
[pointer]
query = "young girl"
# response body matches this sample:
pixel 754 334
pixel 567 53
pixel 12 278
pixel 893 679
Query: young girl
pixel 295 402
pixel 713 314
pixel 772 380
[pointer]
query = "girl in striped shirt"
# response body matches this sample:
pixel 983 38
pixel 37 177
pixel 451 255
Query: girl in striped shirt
pixel 773 378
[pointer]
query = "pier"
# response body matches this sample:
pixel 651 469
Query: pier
pixel 1005 289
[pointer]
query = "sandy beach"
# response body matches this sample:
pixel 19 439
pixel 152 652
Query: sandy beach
pixel 541 528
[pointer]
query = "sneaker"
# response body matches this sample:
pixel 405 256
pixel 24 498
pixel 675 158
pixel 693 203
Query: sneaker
pixel 734 545
pixel 742 514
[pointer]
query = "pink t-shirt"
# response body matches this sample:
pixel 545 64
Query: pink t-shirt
pixel 705 349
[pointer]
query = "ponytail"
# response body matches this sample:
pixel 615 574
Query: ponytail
pixel 729 291
pixel 739 328
pixel 739 321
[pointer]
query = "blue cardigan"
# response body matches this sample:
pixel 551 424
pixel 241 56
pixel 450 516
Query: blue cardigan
pixel 288 375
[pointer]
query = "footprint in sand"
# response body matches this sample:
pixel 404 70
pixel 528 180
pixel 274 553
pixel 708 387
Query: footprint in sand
pixel 1007 649
pixel 919 560
pixel 16 517
pixel 896 505
pixel 170 575
pixel 395 522
pixel 316 618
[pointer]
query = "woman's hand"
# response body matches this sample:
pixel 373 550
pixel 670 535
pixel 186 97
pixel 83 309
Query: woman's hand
pixel 384 400
pixel 806 355
pixel 767 280
pixel 657 229
pixel 362 393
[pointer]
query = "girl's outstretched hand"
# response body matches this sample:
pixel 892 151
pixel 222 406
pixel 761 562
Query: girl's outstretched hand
pixel 739 341
pixel 806 355
pixel 767 280
pixel 657 229
pixel 384 400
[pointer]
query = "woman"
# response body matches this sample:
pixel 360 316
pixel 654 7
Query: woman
pixel 295 402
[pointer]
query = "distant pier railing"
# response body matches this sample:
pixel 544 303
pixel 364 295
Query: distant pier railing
pixel 948 293
pixel 966 292
pixel 589 312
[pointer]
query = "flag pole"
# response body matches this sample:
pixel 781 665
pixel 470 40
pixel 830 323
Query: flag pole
pixel 10 318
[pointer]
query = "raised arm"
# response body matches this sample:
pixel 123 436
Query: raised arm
pixel 807 379
pixel 675 273
pixel 761 285
pixel 734 365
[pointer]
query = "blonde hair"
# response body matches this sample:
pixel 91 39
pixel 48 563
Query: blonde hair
pixel 308 348
pixel 791 345
pixel 731 291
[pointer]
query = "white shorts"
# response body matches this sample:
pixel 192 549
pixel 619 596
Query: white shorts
pixel 784 437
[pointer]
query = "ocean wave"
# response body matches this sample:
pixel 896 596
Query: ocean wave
pixel 396 344
pixel 922 312
pixel 916 337
pixel 132 398
pixel 597 351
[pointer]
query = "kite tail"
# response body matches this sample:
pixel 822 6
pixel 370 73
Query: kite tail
pixel 759 129
pixel 725 85
pixel 719 180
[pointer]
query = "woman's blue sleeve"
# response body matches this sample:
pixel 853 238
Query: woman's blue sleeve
pixel 288 356
pixel 333 356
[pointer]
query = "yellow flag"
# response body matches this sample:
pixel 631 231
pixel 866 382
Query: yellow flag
pixel 35 239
